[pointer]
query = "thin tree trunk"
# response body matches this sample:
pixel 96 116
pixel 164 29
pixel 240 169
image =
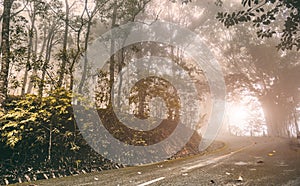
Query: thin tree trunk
pixel 75 59
pixel 39 58
pixel 112 56
pixel 296 122
pixel 46 63
pixel 85 65
pixel 25 78
pixel 5 50
pixel 50 143
pixel 87 36
pixel 64 51
pixel 78 52
pixel 31 33
pixel 121 61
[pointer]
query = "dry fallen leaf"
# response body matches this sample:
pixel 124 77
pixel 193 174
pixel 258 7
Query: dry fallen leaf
pixel 240 178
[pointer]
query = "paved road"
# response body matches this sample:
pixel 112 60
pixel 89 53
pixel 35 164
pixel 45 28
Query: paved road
pixel 243 161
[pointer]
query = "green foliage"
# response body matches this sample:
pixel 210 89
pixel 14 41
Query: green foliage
pixel 41 131
pixel 31 115
pixel 271 17
pixel 40 134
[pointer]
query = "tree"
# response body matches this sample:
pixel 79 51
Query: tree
pixel 64 49
pixel 51 26
pixel 119 13
pixel 273 18
pixel 269 78
pixel 31 50
pixel 90 18
pixel 5 49
pixel 253 67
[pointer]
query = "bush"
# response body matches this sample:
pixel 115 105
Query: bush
pixel 40 134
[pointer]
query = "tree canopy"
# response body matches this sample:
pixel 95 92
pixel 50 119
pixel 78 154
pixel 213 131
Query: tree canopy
pixel 44 42
pixel 272 18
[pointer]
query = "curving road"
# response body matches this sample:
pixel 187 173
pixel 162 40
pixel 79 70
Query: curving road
pixel 243 161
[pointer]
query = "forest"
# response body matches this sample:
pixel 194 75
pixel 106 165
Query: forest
pixel 45 42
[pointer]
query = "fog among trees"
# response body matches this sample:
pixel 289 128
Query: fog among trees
pixel 256 42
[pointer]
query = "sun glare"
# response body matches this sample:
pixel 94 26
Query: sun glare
pixel 238 115
pixel 245 118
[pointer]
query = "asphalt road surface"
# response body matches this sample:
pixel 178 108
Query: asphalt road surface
pixel 243 161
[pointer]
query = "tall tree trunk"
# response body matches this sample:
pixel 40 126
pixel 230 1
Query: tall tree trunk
pixel 47 60
pixel 87 36
pixel 296 121
pixel 39 58
pixel 75 59
pixel 273 116
pixel 121 61
pixel 64 50
pixel 5 50
pixel 50 141
pixel 78 50
pixel 112 57
pixel 85 65
pixel 30 48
